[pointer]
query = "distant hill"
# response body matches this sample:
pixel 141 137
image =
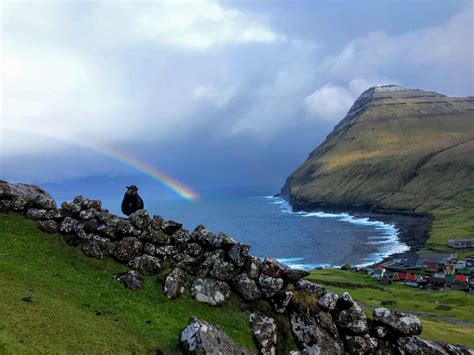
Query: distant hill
pixel 396 149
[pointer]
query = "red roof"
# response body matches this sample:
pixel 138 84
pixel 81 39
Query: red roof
pixel 380 268
pixel 432 266
pixel 461 278
pixel 410 277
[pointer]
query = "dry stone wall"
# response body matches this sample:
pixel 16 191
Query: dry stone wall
pixel 215 265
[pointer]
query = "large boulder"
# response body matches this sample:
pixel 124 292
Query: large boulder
pixel 223 270
pixel 88 214
pixel 201 338
pixel 146 264
pixel 48 226
pixel 311 337
pixel 402 323
pixel 127 249
pixel 270 285
pixel 68 225
pixel 193 249
pixel 125 228
pixel 131 279
pixel 155 236
pixel 207 263
pixel 169 227
pixel 140 219
pixel 415 346
pixel 246 287
pixel 292 275
pixel 35 213
pixel 24 195
pixel 264 332
pixel 238 254
pixel 352 320
pixel 96 246
pixel 210 291
pixel 272 267
pixel 157 222
pixel 328 301
pixel 166 252
pixel 181 236
pixel 174 283
pixel 252 267
pixel 344 301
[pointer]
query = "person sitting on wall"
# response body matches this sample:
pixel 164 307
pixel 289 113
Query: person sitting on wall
pixel 131 201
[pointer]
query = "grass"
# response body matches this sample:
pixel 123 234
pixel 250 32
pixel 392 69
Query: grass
pixel 453 219
pixel 76 306
pixel 370 293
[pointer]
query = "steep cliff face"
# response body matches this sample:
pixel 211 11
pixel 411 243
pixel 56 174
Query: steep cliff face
pixel 396 149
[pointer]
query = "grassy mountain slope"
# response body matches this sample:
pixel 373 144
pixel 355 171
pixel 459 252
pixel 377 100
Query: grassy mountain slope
pixel 54 299
pixel 397 149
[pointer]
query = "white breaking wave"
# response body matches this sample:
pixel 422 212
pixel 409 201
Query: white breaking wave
pixel 388 240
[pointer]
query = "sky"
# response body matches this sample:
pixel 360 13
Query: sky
pixel 213 93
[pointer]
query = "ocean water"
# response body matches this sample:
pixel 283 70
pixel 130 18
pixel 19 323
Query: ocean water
pixel 299 239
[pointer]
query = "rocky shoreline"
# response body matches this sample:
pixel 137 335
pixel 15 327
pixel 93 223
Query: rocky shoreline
pixel 413 228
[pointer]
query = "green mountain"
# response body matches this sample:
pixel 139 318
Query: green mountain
pixel 396 149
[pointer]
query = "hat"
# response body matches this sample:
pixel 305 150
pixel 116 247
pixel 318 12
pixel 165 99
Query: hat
pixel 132 187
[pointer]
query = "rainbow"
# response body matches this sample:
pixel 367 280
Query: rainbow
pixel 125 158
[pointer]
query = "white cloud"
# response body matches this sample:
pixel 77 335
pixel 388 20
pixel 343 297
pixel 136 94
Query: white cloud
pixel 193 25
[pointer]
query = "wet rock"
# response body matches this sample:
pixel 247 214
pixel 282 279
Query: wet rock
pixel 223 270
pixel 402 323
pixel 201 337
pixel 167 251
pixel 68 225
pixel 146 264
pixel 252 267
pixel 210 291
pixel 127 249
pixel 48 226
pixel 174 283
pixel 131 279
pixel 356 344
pixel 96 246
pixel 416 346
pixel 238 253
pixel 246 287
pixel 310 288
pixel 328 301
pixel 270 285
pixel 149 248
pixel 344 301
pixel 352 320
pixel 156 223
pixel 169 227
pixel 271 267
pixel 155 236
pixel 91 225
pixel 311 337
pixel 181 236
pixel 281 300
pixel 264 332
pixel 88 214
pixel 291 275
pixel 140 219
pixel 34 213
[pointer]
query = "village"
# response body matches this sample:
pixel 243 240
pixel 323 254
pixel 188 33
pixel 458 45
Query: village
pixel 430 270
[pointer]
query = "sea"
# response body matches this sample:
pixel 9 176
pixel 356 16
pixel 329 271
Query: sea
pixel 305 240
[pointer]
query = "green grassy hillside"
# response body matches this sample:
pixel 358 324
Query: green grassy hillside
pixel 397 149
pixel 371 293
pixel 53 299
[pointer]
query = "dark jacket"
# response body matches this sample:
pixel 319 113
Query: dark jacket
pixel 131 203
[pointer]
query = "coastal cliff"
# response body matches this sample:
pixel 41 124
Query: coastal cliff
pixel 397 149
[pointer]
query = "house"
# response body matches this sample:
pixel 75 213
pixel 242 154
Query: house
pixel 378 273
pixel 449 269
pixel 461 281
pixel 460 264
pixel 432 257
pixel 465 272
pixel 410 278
pixel 461 243
pixel 438 279
pixel 450 279
pixel 433 267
